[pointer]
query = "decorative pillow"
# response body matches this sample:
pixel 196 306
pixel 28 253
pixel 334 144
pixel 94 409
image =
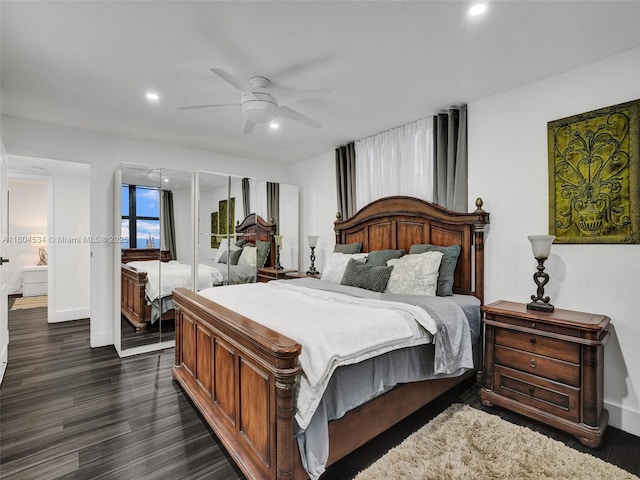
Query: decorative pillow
pixel 362 275
pixel 447 266
pixel 336 264
pixel 263 253
pixel 240 242
pixel 348 248
pixel 222 250
pixel 248 256
pixel 379 258
pixel 415 274
pixel 231 258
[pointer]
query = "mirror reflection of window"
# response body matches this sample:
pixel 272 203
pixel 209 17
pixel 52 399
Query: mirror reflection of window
pixel 140 216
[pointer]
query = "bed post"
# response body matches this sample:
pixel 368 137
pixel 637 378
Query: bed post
pixel 478 241
pixel 285 439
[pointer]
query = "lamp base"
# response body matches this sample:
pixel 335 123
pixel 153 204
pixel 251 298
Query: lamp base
pixel 543 307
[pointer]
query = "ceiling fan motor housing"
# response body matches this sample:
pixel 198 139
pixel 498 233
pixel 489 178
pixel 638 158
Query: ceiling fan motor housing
pixel 262 110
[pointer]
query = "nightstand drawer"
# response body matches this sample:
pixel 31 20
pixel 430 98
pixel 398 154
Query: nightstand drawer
pixel 38 276
pixel 549 347
pixel 551 368
pixel 558 399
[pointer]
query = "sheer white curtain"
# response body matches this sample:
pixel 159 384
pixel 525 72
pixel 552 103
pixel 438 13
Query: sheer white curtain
pixel 258 189
pixel 396 162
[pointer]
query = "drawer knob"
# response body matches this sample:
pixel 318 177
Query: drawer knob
pixel 532 339
pixel 531 390
pixel 533 325
pixel 532 362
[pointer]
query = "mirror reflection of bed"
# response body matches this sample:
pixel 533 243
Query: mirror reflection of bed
pixel 156 219
pixel 157 216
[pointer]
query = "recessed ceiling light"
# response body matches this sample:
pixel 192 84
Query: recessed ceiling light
pixel 274 125
pixel 478 9
pixel 152 96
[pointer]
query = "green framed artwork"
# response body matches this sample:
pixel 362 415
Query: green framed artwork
pixel 214 230
pixel 226 223
pixel 594 176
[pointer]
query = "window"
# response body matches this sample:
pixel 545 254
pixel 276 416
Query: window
pixel 140 216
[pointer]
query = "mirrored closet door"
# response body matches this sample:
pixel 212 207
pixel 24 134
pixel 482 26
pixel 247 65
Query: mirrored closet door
pixel 156 252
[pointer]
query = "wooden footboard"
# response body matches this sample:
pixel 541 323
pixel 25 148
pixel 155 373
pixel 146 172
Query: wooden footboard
pixel 133 303
pixel 240 375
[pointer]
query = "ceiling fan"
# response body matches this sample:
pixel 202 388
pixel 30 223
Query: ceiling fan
pixel 259 104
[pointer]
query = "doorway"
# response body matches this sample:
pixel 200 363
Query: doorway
pixel 63 236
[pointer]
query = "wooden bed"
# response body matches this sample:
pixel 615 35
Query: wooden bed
pixel 240 375
pixel 134 306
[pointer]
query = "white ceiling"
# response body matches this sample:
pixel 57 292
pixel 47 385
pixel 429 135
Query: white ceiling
pixel 88 64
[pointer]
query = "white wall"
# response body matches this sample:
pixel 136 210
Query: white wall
pixel 289 226
pixel 4 327
pixel 27 216
pixel 70 255
pixel 316 178
pixel 508 168
pixel 104 153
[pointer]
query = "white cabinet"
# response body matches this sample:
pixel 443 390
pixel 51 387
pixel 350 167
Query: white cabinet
pixel 34 281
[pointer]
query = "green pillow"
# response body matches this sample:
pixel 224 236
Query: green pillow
pixel 232 257
pixel 348 248
pixel 379 258
pixel 240 242
pixel 262 253
pixel 447 265
pixel 361 275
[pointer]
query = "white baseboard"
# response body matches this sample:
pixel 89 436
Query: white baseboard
pixel 623 418
pixel 4 356
pixel 71 314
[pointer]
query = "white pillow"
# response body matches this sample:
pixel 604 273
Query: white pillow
pixel 415 274
pixel 248 256
pixel 336 265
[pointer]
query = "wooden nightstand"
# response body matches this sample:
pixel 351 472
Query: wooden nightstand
pixel 266 274
pixel 296 274
pixel 547 366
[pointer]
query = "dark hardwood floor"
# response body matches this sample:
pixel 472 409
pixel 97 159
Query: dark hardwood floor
pixel 71 412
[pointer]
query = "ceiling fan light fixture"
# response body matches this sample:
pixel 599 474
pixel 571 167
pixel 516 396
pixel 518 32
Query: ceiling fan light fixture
pixel 262 110
pixel 274 125
pixel 152 96
pixel 478 9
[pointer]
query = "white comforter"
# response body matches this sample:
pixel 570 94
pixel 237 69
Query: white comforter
pixel 332 328
pixel 172 275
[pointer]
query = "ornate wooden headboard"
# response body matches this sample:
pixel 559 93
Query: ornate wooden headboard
pixel 253 228
pixel 143 254
pixel 399 222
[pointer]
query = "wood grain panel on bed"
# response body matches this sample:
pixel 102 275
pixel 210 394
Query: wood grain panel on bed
pixel 253 372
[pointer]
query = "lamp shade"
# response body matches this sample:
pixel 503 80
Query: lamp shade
pixel 541 245
pixel 39 240
pixel 313 240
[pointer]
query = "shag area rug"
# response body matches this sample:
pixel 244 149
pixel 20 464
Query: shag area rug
pixel 466 443
pixel 29 302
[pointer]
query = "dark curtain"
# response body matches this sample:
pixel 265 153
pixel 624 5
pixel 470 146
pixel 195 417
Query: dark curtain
pixel 451 160
pixel 246 197
pixel 168 223
pixel 346 180
pixel 273 204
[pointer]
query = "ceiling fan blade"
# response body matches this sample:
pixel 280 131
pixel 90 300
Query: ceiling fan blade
pixel 248 126
pixel 234 81
pixel 193 107
pixel 286 112
pixel 297 95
